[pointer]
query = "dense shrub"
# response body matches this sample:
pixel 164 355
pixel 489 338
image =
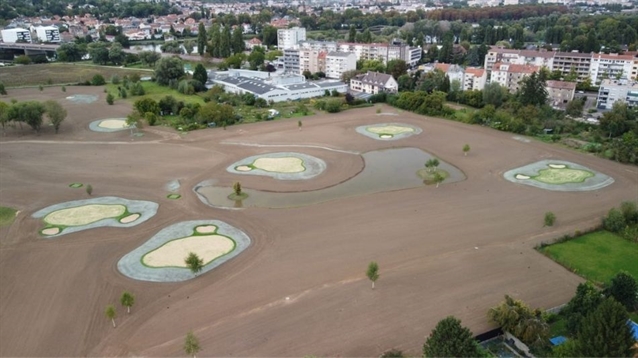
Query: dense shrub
pixel 98 80
pixel 333 105
pixel 615 221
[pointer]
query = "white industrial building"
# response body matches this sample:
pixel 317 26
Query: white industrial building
pixel 272 87
pixel 289 38
pixel 612 91
pixel 16 35
pixel 47 33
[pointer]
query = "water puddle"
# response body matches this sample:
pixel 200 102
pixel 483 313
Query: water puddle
pixel 385 170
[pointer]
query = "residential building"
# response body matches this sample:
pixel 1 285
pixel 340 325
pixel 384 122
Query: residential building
pixel 271 87
pixel 373 83
pixel 509 75
pixel 560 92
pixel 289 38
pixel 373 51
pixel 309 60
pixel 47 33
pixel 566 62
pixel 453 72
pixel 474 79
pixel 16 35
pixel 633 75
pixel 291 61
pixel 612 91
pixel 339 62
pixel 252 43
pixel 612 66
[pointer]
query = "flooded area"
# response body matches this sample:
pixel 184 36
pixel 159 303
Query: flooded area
pixel 385 170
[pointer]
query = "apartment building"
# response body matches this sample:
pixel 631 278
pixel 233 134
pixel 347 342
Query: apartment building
pixel 309 60
pixel 474 79
pixel 612 66
pixel 47 34
pixel 510 75
pixel 373 83
pixel 560 92
pixel 291 61
pixel 612 91
pixel 339 62
pixel 289 38
pixel 16 35
pixel 373 51
pixel 579 62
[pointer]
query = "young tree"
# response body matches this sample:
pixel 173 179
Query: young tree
pixel 110 313
pixel 237 43
pixel 605 332
pixel 191 344
pixel 3 91
pixel 624 289
pixel 127 300
pixel 200 74
pixel 550 218
pixel 4 118
pixel 194 263
pixel 56 113
pixel 450 339
pixel 109 99
pixel 237 188
pixel 373 272
pixel 432 164
pixel 466 149
pixel 438 178
pixel 299 124
pixel 89 189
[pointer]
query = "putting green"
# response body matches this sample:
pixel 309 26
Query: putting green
pixel 84 215
pixel 562 176
pixel 389 130
pixel 174 253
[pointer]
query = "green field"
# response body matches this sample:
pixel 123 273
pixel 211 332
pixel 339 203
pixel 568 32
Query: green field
pixel 156 92
pixel 596 256
pixel 562 176
pixel 60 73
pixel 7 215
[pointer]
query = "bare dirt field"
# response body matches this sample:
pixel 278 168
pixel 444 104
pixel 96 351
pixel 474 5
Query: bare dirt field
pixel 54 291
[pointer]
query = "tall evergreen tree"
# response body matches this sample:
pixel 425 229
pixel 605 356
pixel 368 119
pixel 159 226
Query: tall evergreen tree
pixel 215 41
pixel 352 34
pixel 237 42
pixel 624 289
pixel 450 339
pixel 605 332
pixel 224 42
pixel 201 38
pixel 200 74
pixel 533 91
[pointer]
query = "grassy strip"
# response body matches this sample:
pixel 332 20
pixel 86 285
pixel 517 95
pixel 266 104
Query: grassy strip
pixel 59 73
pixel 596 256
pixel 173 196
pixel 195 233
pixel 7 215
pixel 76 185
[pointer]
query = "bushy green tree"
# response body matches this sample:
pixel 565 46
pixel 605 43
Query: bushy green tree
pixel 3 91
pixel 127 300
pixel 30 112
pixel 614 221
pixel 146 105
pixel 98 80
pixel 194 263
pixel 55 112
pixel 169 68
pixel 191 344
pixel 585 301
pixel 110 313
pixel 200 74
pixel 624 289
pixel 450 339
pixel 373 272
pixel 550 218
pixel 606 332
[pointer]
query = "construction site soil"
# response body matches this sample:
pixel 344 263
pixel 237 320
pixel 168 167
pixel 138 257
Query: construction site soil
pixel 300 288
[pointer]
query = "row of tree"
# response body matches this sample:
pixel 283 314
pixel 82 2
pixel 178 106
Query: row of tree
pixel 31 113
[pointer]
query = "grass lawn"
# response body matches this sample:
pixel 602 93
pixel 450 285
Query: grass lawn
pixel 596 256
pixel 7 215
pixel 558 328
pixel 59 73
pixel 156 92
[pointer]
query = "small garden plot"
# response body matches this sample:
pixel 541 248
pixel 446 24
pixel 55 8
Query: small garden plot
pixel 85 214
pixel 163 257
pixel 561 176
pixel 109 125
pixel 388 131
pixel 282 166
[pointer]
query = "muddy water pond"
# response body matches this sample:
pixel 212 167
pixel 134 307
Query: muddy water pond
pixel 385 170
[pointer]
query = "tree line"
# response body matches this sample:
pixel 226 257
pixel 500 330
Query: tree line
pixel 31 113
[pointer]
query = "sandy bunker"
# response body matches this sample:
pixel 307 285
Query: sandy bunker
pixel 174 253
pixel 390 129
pixel 280 165
pixel 84 215
pixel 113 124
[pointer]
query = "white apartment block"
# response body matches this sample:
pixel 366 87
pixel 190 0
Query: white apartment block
pixel 373 51
pixel 339 62
pixel 289 38
pixel 292 61
pixel 594 66
pixel 16 35
pixel 373 83
pixel 47 33
pixel 474 79
pixel 612 91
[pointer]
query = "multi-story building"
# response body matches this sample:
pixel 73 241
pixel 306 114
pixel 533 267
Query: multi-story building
pixel 560 92
pixel 566 62
pixel 47 33
pixel 633 75
pixel 309 61
pixel 16 35
pixel 474 79
pixel 373 83
pixel 373 51
pixel 612 66
pixel 510 75
pixel 289 38
pixel 612 91
pixel 339 62
pixel 291 61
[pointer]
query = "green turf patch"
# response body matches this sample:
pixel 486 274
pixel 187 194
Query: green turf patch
pixel 562 176
pixel 76 185
pixel 596 256
pixel 234 196
pixel 428 176
pixel 7 215
pixel 173 196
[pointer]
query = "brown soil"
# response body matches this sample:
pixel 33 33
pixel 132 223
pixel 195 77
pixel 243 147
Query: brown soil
pixel 54 291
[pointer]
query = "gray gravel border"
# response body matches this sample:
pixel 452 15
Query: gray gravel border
pixel 363 130
pixel 95 126
pixel 599 180
pixel 314 166
pixel 146 209
pixel 130 265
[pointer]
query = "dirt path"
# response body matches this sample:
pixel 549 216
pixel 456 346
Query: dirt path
pixel 452 250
